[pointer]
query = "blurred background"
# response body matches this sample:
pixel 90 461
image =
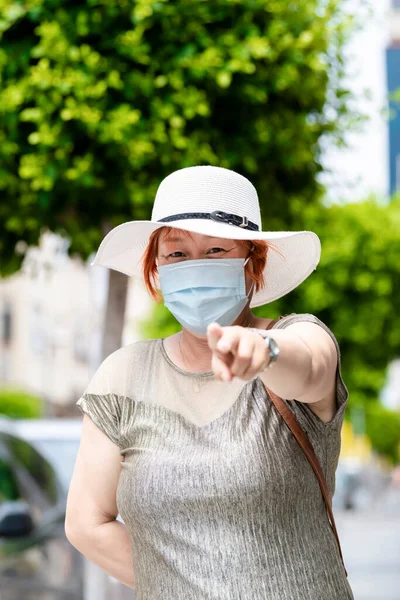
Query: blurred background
pixel 101 99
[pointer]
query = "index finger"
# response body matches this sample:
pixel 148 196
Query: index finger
pixel 229 340
pixel 214 333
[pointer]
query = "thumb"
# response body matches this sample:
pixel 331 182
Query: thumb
pixel 214 333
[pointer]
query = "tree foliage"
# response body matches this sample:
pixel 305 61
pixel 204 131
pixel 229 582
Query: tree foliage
pixel 383 429
pixel 17 404
pixel 355 288
pixel 100 99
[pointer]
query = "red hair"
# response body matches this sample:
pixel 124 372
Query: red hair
pixel 258 250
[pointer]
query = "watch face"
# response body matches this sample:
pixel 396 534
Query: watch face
pixel 273 348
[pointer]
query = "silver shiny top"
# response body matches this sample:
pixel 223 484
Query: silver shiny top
pixel 218 498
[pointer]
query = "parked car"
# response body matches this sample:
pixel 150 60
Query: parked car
pixel 41 563
pixel 35 556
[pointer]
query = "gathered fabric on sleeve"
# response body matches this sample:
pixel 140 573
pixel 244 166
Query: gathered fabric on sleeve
pixel 104 411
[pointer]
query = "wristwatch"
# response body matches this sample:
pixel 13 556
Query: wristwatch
pixel 273 350
pixel 270 343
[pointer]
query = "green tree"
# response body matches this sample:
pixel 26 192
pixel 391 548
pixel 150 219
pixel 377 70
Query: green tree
pixel 17 404
pixel 355 289
pixel 100 99
pixel 383 429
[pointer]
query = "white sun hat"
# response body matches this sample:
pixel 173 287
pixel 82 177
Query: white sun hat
pixel 221 203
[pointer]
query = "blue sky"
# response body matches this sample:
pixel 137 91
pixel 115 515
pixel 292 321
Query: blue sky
pixel 363 167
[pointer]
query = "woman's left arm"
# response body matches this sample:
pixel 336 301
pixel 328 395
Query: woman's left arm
pixel 305 369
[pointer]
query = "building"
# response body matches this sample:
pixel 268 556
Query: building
pixel 51 321
pixel 393 83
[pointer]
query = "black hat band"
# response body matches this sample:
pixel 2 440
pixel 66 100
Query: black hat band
pixel 216 215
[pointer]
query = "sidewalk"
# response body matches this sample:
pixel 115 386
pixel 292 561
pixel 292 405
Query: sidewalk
pixel 370 542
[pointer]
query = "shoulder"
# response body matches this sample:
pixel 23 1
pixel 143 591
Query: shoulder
pixel 129 352
pixel 116 379
pixel 292 318
pixel 120 369
pixel 312 327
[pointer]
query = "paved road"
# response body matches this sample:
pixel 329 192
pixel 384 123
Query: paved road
pixel 371 548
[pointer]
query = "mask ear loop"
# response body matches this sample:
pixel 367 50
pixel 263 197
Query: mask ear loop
pixel 244 264
pixel 248 258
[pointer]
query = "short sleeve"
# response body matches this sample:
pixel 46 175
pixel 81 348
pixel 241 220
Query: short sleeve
pixel 100 401
pixel 307 417
pixel 103 409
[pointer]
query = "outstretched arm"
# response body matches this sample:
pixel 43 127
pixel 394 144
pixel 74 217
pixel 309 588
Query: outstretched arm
pixel 305 369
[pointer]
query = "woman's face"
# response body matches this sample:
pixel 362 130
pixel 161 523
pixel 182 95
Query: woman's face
pixel 179 246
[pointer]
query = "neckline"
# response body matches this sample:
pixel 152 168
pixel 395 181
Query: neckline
pixel 206 375
pixel 209 424
pixel 182 371
pixel 218 420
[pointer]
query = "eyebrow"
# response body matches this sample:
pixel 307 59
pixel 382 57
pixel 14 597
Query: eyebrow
pixel 171 238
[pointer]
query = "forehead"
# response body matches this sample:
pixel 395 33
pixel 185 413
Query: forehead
pixel 180 235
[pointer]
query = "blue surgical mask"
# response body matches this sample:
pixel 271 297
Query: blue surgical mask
pixel 199 292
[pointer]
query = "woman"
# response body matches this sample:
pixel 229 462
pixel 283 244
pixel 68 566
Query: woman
pixel 217 498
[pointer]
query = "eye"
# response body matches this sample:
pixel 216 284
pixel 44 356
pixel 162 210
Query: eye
pixel 175 254
pixel 216 250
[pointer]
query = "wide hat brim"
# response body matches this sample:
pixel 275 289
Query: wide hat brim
pixel 297 257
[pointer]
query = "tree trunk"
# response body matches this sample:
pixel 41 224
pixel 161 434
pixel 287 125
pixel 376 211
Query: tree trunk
pixel 115 312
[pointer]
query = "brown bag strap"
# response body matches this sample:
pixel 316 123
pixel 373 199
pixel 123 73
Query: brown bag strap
pixel 305 444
